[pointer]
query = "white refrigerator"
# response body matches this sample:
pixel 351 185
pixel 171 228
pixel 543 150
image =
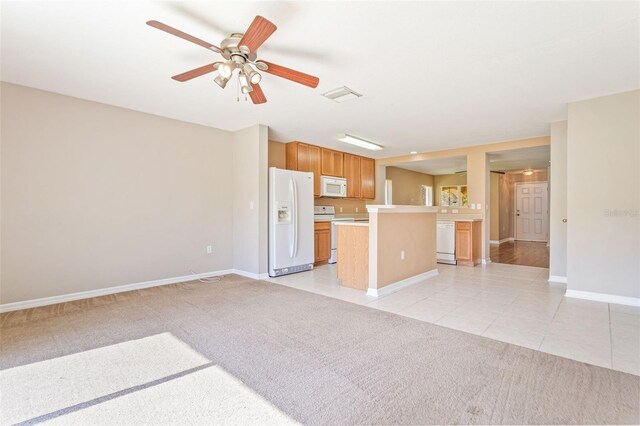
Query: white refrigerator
pixel 291 245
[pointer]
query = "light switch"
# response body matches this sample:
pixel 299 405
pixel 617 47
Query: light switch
pixel 250 205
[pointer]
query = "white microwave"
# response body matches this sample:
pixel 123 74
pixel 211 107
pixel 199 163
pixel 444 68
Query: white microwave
pixel 333 186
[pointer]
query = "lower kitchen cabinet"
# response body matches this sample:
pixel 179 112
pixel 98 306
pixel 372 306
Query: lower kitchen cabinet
pixel 322 242
pixel 468 243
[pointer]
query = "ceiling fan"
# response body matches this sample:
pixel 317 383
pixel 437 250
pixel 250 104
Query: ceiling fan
pixel 240 51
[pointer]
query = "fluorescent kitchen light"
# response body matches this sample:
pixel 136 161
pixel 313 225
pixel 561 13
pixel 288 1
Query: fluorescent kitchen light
pixel 360 142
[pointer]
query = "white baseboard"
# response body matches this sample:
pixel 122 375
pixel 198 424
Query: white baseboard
pixel 557 279
pixel 504 240
pixel 603 297
pixel 44 301
pixel 251 275
pixel 398 285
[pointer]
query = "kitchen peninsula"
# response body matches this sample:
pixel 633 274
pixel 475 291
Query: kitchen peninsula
pixel 395 249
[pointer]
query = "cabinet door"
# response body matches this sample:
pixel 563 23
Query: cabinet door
pixel 324 245
pixel 315 162
pixel 352 173
pixel 463 241
pixel 297 156
pixel 368 178
pixel 332 162
pixel 303 157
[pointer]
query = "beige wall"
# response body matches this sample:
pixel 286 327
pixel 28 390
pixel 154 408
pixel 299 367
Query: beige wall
pixel 250 198
pixel 495 207
pixel 558 201
pixel 444 180
pixel 407 185
pixel 277 155
pixel 603 195
pixel 506 219
pixel 95 196
pixel 391 233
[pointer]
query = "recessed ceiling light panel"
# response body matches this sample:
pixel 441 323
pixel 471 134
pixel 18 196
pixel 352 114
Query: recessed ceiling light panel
pixel 360 142
pixel 341 94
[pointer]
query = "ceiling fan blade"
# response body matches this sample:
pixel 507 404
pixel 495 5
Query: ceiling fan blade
pixel 166 28
pixel 259 30
pixel 293 75
pixel 186 76
pixel 257 95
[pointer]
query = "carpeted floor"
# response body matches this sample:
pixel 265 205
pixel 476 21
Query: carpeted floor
pixel 254 352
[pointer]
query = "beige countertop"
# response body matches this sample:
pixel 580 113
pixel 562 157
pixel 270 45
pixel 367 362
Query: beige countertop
pixel 460 217
pixel 347 223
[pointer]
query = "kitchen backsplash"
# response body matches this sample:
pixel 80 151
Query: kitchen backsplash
pixel 348 206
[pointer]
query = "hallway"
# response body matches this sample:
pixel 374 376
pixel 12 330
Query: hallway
pixel 525 253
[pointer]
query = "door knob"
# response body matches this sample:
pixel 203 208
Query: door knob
pixel 564 220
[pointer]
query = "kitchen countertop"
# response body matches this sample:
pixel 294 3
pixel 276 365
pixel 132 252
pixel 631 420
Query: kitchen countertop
pixel 355 223
pixel 460 217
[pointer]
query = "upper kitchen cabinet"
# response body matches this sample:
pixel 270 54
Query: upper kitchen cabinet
pixel 332 163
pixel 305 158
pixel 353 175
pixel 359 171
pixel 367 178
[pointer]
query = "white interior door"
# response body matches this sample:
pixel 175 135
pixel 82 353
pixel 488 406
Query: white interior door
pixel 531 212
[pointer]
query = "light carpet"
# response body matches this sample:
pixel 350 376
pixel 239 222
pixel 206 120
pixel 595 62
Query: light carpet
pixel 245 351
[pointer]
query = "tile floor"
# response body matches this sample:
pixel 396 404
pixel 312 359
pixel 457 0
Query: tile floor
pixel 511 303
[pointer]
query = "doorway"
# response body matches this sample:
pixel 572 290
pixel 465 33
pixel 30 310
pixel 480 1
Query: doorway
pixel 531 212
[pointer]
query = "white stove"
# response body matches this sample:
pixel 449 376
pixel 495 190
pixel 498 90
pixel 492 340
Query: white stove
pixel 323 213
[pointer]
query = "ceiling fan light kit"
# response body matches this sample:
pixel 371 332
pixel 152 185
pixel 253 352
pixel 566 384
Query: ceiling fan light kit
pixel 240 52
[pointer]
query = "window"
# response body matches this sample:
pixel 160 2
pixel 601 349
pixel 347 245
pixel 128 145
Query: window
pixel 454 196
pixel 427 195
pixel 388 192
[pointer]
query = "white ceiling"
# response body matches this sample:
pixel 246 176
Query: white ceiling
pixel 434 75
pixel 536 157
pixel 437 166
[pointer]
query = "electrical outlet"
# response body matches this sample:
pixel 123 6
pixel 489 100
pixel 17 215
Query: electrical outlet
pixel 401 254
pixel 340 209
pixel 454 210
pixel 443 210
pixel 251 205
pixel 357 209
pixel 473 206
pixel 208 249
pixel 479 206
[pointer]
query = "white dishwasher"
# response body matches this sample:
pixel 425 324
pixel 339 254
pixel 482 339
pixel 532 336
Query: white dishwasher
pixel 446 242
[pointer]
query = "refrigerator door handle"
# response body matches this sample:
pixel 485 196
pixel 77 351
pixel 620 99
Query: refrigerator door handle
pixel 295 218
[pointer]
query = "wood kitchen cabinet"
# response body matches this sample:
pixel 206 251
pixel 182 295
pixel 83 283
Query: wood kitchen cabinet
pixel 367 178
pixel 353 175
pixel 322 242
pixel 468 243
pixel 359 171
pixel 332 162
pixel 305 158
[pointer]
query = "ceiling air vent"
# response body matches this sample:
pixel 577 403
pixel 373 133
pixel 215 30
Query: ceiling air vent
pixel 341 94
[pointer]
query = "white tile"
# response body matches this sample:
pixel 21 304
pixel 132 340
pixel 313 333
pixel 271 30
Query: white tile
pixel 631 310
pixel 469 325
pixel 525 324
pixel 596 354
pixel 525 338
